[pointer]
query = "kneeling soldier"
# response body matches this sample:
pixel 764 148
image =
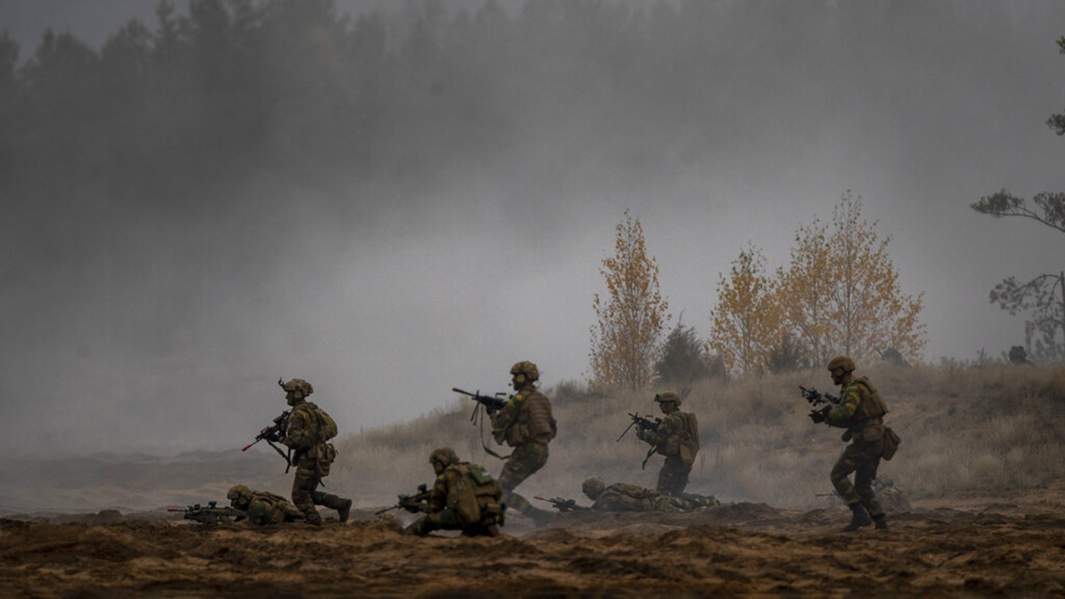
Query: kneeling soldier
pixel 464 497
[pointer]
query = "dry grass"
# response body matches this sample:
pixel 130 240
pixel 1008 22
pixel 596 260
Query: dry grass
pixel 964 430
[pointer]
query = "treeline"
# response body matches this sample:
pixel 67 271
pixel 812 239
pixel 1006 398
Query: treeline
pixel 838 293
pixel 213 88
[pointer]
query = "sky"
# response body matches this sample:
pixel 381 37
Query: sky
pixel 385 309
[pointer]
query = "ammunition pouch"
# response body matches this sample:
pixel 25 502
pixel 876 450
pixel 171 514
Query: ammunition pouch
pixel 891 443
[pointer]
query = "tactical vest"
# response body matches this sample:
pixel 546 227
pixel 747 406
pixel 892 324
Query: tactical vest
pixel 871 407
pixel 689 444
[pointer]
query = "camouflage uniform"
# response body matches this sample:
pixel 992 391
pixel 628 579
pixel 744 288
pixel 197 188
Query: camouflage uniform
pixel 311 455
pixel 677 438
pixel 622 497
pixel 464 497
pixel 263 508
pixel 524 423
pixel 861 412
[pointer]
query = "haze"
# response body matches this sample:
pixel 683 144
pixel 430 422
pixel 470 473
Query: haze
pixel 155 311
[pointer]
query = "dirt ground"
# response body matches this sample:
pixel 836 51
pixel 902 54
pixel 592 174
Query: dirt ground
pixel 1013 545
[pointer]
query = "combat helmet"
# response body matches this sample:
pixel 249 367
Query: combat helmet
pixel 239 494
pixel 298 385
pixel 444 456
pixel 841 362
pixel 531 372
pixel 593 487
pixel 668 397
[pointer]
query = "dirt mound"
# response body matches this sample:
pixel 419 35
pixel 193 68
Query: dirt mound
pixel 726 550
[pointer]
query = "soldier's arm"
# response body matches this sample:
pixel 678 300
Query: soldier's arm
pixel 503 419
pixel 298 434
pixel 848 405
pixel 438 494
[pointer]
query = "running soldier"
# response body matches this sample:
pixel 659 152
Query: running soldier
pixel 309 428
pixel 524 423
pixel 861 411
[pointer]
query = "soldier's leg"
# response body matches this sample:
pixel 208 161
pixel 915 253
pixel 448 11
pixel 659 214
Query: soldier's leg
pixel 334 502
pixel 673 477
pixel 848 463
pixel 445 520
pixel 863 482
pixel 523 463
pixel 304 487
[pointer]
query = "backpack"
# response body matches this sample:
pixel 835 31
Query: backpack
pixel 689 445
pixel 327 427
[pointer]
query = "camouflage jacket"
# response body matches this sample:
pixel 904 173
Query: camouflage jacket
pixel 469 491
pixel 526 418
pixel 860 411
pixel 267 508
pixel 677 435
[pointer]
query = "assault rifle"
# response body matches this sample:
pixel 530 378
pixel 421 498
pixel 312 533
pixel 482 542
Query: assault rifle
pixel 491 403
pixel 815 398
pixel 411 503
pixel 210 513
pixel 563 505
pixel 273 435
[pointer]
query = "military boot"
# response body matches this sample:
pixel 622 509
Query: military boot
pixel 859 518
pixel 343 510
pixel 881 521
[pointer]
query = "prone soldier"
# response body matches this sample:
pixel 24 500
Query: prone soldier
pixel 677 438
pixel 262 508
pixel 308 430
pixel 622 497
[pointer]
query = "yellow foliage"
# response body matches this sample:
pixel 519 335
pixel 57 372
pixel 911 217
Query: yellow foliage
pixel 841 292
pixel 746 323
pixel 633 314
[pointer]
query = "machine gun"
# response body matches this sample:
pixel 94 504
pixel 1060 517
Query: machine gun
pixel 411 503
pixel 820 403
pixel 273 435
pixel 210 514
pixel 642 423
pixel 563 505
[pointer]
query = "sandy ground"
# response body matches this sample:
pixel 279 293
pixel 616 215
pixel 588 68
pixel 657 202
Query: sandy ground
pixel 1012 545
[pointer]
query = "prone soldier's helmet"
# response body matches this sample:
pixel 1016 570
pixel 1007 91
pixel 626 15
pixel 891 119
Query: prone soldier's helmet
pixel 593 487
pixel 299 385
pixel 239 495
pixel 445 456
pixel 668 397
pixel 841 362
pixel 531 372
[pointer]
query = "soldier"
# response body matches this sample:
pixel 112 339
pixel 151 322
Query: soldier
pixel 861 412
pixel 677 438
pixel 622 497
pixel 262 508
pixel 309 427
pixel 464 497
pixel 524 423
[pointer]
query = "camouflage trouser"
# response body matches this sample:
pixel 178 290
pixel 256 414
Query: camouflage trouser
pixel 522 464
pixel 305 494
pixel 451 520
pixel 673 477
pixel 861 458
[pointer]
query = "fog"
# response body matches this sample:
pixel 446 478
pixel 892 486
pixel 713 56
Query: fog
pixel 412 232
